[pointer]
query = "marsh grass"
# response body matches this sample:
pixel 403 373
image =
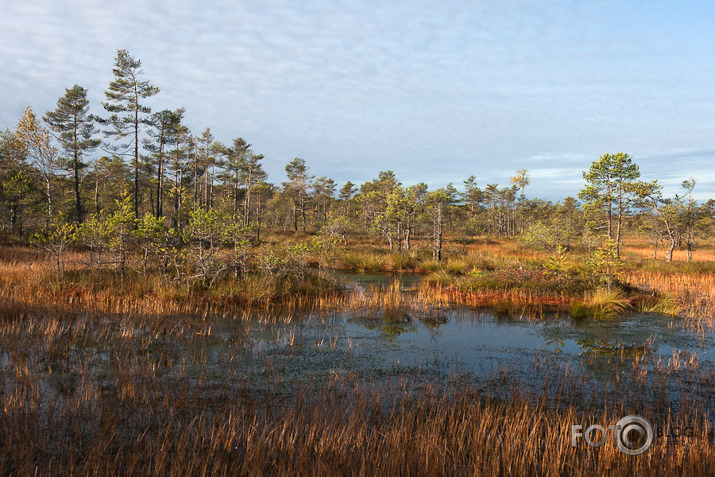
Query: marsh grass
pixel 499 274
pixel 93 395
pixel 664 304
pixel 27 283
pixel 604 303
pixel 691 287
pixel 103 377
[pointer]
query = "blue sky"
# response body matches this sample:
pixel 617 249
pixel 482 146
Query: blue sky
pixel 435 91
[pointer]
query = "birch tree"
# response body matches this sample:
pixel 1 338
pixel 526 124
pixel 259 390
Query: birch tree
pixel 36 143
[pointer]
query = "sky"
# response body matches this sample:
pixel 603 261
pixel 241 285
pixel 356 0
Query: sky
pixel 433 90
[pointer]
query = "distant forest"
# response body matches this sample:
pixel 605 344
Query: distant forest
pixel 74 171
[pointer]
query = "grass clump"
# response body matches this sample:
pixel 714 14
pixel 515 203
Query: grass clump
pixel 601 303
pixel 665 304
pixel 400 262
pixel 441 278
pixel 364 262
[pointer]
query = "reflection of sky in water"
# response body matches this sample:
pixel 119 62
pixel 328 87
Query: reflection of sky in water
pixel 469 342
pixel 475 338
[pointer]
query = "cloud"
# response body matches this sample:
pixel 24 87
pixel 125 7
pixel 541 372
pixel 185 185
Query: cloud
pixel 431 89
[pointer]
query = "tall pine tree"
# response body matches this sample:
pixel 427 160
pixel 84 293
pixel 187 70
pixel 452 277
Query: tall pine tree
pixel 163 130
pixel 610 185
pixel 74 127
pixel 123 101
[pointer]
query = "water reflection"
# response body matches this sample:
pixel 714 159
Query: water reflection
pixel 475 343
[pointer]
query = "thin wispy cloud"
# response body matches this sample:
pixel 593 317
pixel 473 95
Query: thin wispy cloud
pixel 436 91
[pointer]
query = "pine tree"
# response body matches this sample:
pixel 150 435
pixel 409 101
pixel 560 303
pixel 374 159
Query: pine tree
pixel 300 182
pixel 472 195
pixel 124 95
pixel 183 146
pixel 164 125
pixel 324 189
pixel 207 150
pixel 234 165
pixel 611 182
pixel 74 127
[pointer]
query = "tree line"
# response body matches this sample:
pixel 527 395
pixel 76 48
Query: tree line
pixel 74 168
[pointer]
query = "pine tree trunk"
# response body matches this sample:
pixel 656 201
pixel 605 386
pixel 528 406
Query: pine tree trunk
pixel 136 158
pixel 160 181
pixel 620 216
pixel 670 250
pixel 96 194
pixel 407 235
pixel 78 199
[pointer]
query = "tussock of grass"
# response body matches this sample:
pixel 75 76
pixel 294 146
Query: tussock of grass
pixel 364 262
pixel 431 265
pixel 664 304
pixel 440 277
pixel 402 262
pixel 601 303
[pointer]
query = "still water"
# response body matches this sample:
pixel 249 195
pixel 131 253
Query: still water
pixel 434 345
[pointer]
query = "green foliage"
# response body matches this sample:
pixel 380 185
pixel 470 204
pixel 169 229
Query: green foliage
pixel 237 235
pixel 291 260
pixel 558 263
pixel 203 236
pixel 547 236
pixel 157 240
pixel 325 248
pixel 604 265
pixel 19 193
pixel 110 233
pixel 56 239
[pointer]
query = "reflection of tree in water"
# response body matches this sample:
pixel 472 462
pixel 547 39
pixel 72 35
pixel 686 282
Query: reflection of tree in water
pixel 606 352
pixel 599 338
pixel 613 362
pixel 394 322
pixel 432 321
pixel 605 349
pixel 389 325
pixel 557 343
pixel 392 330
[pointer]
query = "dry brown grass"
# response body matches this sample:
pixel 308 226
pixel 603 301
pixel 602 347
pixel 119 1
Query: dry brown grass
pixel 640 250
pixel 689 286
pixel 693 291
pixel 28 280
pixel 147 414
pixel 135 392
